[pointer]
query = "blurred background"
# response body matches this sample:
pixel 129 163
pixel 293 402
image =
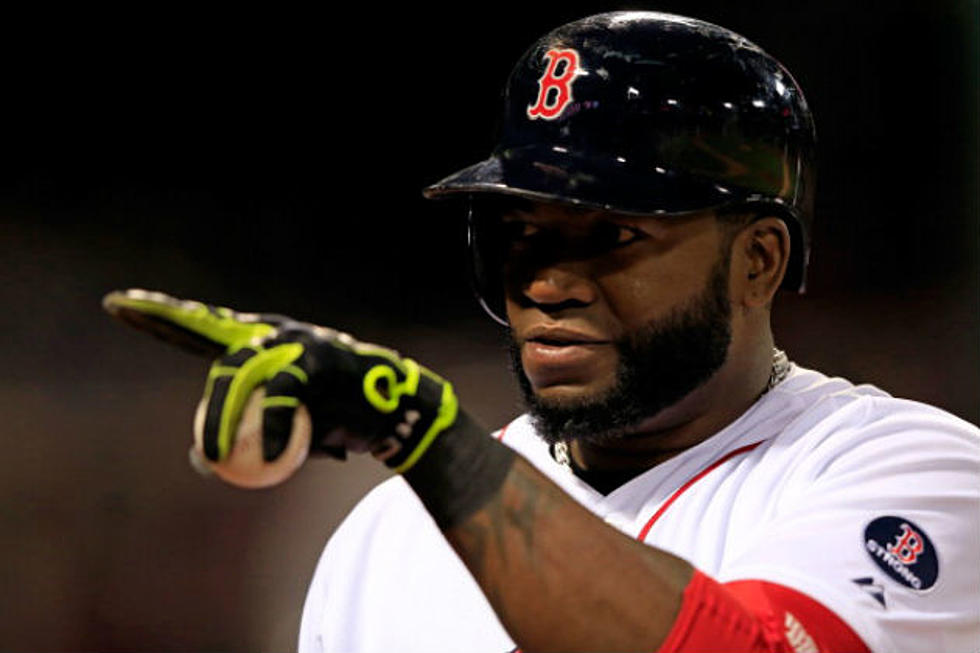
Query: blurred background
pixel 273 160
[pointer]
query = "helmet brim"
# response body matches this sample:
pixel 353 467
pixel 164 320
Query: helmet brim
pixel 563 177
pixel 543 174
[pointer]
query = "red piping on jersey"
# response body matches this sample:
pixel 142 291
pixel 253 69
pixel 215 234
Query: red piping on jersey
pixel 500 436
pixel 679 491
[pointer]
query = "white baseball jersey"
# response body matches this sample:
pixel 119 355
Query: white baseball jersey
pixel 867 504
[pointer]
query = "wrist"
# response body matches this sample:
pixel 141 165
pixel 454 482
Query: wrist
pixel 460 472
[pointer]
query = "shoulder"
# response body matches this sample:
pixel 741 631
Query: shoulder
pixel 840 442
pixel 870 505
pixel 831 416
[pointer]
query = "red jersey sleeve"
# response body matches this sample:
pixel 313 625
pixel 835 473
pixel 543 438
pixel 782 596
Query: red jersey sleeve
pixel 755 616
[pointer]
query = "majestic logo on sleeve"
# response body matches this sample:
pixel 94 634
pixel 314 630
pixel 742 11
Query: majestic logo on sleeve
pixel 555 85
pixel 903 551
pixel 872 588
pixel 798 638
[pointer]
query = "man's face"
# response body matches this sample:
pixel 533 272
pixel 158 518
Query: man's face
pixel 613 317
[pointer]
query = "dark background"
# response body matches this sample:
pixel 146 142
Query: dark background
pixel 274 160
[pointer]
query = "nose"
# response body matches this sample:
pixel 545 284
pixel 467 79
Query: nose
pixel 559 286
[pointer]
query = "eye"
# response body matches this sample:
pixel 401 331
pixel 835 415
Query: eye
pixel 612 235
pixel 517 230
pixel 627 235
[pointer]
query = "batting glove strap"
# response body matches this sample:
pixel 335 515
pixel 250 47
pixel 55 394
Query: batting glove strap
pixel 416 421
pixel 400 406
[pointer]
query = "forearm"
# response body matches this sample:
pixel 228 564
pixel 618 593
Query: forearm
pixel 557 576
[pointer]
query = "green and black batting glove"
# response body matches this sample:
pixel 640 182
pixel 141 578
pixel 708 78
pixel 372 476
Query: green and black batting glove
pixel 394 404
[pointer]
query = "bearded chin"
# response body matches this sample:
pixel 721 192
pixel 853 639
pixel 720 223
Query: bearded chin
pixel 659 364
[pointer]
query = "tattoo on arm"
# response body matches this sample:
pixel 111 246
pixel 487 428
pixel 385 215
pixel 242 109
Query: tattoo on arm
pixel 513 511
pixel 545 563
pixel 557 577
pixel 522 515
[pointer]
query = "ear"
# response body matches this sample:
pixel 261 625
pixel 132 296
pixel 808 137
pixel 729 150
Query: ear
pixel 760 254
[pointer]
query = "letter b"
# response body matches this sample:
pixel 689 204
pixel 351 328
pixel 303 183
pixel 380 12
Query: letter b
pixel 907 546
pixel 555 91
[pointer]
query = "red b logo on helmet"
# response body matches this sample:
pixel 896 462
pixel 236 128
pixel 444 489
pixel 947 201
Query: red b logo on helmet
pixel 555 91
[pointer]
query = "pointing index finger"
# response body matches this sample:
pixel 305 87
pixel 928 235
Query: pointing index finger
pixel 191 325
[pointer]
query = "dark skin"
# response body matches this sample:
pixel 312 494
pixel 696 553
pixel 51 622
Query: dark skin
pixel 577 281
pixel 555 574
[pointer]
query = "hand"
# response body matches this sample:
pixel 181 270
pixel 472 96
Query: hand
pixel 360 396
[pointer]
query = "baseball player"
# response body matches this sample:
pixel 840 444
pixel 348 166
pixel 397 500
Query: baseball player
pixel 677 483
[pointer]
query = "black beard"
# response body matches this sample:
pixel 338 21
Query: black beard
pixel 659 364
